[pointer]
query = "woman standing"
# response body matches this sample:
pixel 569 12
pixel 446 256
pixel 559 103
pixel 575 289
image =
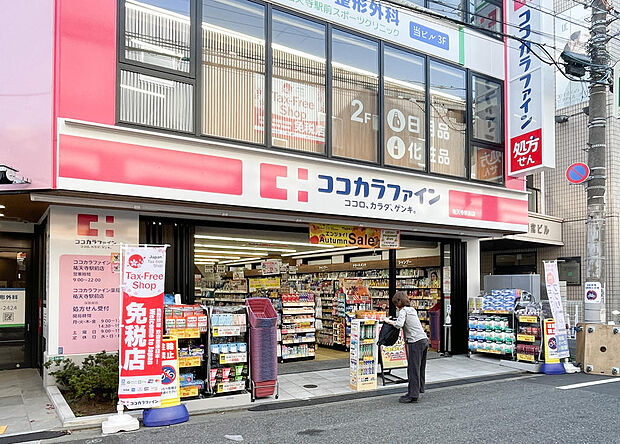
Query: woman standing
pixel 417 345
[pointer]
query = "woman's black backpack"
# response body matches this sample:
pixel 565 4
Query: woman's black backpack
pixel 388 335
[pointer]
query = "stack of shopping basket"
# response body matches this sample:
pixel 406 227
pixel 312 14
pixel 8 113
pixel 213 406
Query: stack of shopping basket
pixel 263 348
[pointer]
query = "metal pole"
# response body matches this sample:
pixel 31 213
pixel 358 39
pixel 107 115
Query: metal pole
pixel 595 185
pixel 391 280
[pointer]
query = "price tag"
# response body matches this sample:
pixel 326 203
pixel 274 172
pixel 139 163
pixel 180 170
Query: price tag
pixel 228 330
pixel 231 386
pixel 186 392
pixel 189 361
pixel 528 319
pixel 526 338
pixel 232 358
pixel 524 357
pixel 184 332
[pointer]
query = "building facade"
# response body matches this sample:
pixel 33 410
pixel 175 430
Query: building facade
pixel 197 123
pixel 554 199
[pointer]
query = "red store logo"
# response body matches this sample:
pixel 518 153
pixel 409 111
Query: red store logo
pixel 85 225
pixel 269 189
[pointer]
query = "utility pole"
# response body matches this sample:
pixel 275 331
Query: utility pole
pixel 597 128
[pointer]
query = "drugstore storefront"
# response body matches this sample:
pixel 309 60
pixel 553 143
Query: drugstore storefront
pixel 247 121
pixel 258 209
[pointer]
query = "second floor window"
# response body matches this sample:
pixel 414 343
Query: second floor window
pixel 250 72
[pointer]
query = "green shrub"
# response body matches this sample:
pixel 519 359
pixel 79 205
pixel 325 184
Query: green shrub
pixel 96 378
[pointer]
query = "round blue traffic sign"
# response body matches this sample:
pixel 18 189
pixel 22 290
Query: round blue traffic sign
pixel 577 172
pixel 168 374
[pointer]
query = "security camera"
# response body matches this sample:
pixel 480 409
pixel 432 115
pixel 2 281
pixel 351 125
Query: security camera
pixel 575 63
pixel 8 175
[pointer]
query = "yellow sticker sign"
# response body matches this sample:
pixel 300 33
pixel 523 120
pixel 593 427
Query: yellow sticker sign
pixel 347 236
pixel 525 357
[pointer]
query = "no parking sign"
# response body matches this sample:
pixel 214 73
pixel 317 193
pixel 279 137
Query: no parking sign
pixel 577 173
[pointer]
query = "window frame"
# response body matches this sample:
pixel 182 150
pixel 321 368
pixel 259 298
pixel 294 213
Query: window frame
pixel 564 260
pixel 193 16
pixel 194 78
pixel 425 60
pixel 472 141
pixel 269 79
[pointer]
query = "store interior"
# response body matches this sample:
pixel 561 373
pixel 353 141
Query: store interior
pixel 316 289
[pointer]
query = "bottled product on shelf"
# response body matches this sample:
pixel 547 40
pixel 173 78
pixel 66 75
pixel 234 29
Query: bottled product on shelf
pixel 363 354
pixel 529 328
pixel 189 324
pixel 298 325
pixel 228 350
pixel 356 298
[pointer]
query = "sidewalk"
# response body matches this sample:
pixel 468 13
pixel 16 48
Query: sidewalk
pixel 336 382
pixel 29 408
pixel 25 405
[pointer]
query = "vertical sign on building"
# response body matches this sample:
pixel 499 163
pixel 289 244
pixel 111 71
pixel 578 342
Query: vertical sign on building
pixel 552 282
pixel 142 286
pixel 531 86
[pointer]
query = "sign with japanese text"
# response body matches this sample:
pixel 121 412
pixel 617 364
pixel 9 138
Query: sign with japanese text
pixel 593 293
pixel 12 307
pixel 142 285
pixel 385 21
pixel 289 182
pixel 394 356
pixel 550 341
pixel 531 86
pixel 489 165
pixel 270 267
pixel 298 109
pixel 170 383
pixel 83 297
pixel 346 236
pixel 552 282
pixel 263 283
pixel 90 306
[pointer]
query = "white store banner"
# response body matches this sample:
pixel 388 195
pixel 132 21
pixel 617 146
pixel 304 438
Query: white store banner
pixel 552 282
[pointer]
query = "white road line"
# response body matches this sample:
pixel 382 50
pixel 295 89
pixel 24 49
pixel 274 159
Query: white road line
pixel 586 384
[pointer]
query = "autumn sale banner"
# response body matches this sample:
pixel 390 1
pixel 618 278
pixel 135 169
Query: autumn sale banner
pixel 361 237
pixel 142 286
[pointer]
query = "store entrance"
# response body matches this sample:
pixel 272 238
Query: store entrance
pixel 317 290
pixel 13 327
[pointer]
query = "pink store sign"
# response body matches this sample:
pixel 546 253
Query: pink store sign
pixel 89 305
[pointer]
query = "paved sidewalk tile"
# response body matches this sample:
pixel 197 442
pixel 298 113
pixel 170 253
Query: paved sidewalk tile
pixel 26 406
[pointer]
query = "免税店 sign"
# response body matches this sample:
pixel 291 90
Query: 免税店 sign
pixel 531 86
pixel 142 285
pixel 346 236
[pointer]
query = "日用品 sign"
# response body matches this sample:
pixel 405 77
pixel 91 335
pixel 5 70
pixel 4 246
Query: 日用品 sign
pixel 346 236
pixel 531 86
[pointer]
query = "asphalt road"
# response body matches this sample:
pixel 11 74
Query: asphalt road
pixel 525 409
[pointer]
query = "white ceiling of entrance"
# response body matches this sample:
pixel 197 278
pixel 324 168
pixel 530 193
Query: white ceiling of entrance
pixel 230 246
pixel 235 246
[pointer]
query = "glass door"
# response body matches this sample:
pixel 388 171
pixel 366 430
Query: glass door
pixel 13 326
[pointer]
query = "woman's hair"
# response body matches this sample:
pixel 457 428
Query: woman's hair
pixel 400 299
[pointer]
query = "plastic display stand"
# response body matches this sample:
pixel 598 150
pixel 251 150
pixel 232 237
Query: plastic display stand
pixel 554 368
pixel 164 416
pixel 121 422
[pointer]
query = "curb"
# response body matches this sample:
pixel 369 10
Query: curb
pixel 242 401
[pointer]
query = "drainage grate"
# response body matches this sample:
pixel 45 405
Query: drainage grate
pixel 310 386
